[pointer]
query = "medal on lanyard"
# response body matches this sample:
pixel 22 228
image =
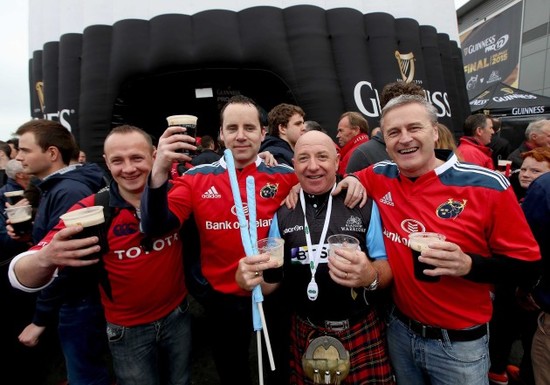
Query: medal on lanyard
pixel 315 255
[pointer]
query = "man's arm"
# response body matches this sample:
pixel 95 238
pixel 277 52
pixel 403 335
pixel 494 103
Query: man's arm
pixel 154 200
pixel 171 141
pixel 34 269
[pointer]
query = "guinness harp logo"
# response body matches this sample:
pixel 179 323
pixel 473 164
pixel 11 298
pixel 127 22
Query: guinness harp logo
pixel 406 65
pixel 40 92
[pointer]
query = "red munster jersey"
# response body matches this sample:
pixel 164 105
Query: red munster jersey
pixel 205 191
pixel 146 285
pixel 474 208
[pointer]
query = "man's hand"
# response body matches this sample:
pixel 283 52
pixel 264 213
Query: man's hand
pixel 172 140
pixel 351 268
pixel 250 271
pixel 268 158
pixel 356 192
pixel 30 336
pixel 448 259
pixel 65 251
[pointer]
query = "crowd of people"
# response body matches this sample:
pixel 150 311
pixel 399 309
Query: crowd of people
pixel 114 306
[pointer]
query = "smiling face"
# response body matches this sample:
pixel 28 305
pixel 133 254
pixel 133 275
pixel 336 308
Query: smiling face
pixel 130 158
pixel 315 162
pixel 410 137
pixel 242 132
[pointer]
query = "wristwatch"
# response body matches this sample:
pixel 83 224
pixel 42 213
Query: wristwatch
pixel 374 284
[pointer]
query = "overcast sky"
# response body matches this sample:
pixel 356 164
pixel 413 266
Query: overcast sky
pixel 14 83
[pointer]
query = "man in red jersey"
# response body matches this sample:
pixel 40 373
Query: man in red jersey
pixel 473 147
pixel 438 330
pixel 205 192
pixel 145 301
pixel 352 132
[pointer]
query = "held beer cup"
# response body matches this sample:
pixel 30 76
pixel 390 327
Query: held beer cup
pixel 93 223
pixel 20 218
pixel 418 242
pixel 342 241
pixel 273 247
pixel 12 197
pixel 504 167
pixel 190 124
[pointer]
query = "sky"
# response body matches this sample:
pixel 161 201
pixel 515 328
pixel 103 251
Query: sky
pixel 14 79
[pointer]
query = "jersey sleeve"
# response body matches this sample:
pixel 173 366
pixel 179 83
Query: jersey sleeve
pixel 375 236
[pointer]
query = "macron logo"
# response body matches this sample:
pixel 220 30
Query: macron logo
pixel 212 193
pixel 386 199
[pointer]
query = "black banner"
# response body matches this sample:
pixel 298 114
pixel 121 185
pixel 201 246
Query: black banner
pixel 490 51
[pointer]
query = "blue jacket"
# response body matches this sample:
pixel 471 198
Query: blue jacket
pixel 279 148
pixel 59 193
pixel 62 190
pixel 536 207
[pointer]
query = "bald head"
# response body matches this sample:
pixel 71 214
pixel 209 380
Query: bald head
pixel 315 138
pixel 315 162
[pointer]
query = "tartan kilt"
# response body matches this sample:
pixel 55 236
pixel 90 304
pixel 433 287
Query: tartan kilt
pixel 365 339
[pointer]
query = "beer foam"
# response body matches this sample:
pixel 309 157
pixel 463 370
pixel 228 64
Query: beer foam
pixel 181 120
pixel 13 193
pixel 20 217
pixel 85 217
pixel 420 241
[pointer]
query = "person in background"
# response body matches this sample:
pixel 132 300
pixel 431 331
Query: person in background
pixel 145 300
pixel 5 152
pixel 351 133
pixel 437 332
pixel 537 134
pixel 344 308
pixel 286 124
pixel 500 147
pixel 514 317
pixel 81 157
pixel 535 163
pixel 478 130
pixel 536 207
pixel 208 153
pixel 312 125
pixel 18 307
pixel 445 138
pixel 71 303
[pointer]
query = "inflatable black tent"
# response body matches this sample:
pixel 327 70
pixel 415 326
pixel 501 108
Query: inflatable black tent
pixel 327 61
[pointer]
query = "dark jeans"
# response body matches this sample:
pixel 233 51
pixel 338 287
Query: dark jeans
pixel 155 353
pixel 229 319
pixel 84 342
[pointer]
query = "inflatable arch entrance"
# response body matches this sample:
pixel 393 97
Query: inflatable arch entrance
pixel 327 61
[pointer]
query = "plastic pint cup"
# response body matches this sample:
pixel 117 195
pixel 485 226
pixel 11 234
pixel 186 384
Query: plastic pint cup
pixel 504 167
pixel 418 242
pixel 93 222
pixel 190 124
pixel 12 197
pixel 20 218
pixel 342 241
pixel 275 248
